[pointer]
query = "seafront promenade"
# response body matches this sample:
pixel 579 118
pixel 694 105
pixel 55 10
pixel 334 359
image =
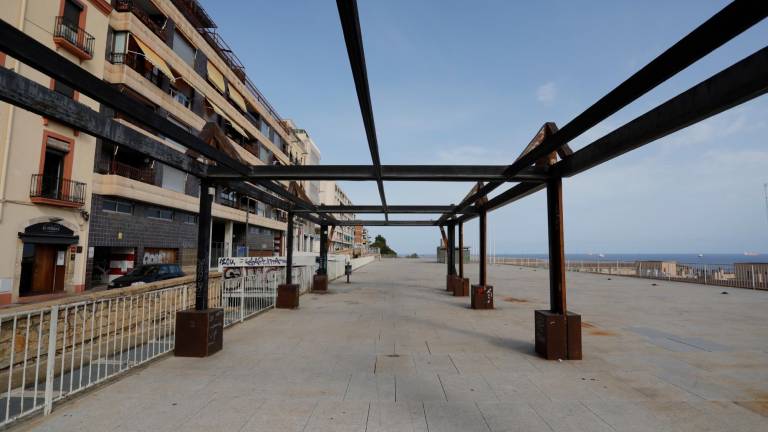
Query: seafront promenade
pixel 392 351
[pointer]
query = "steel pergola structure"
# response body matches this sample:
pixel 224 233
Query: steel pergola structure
pixel 542 165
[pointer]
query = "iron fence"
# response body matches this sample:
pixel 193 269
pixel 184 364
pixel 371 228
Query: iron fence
pixel 737 275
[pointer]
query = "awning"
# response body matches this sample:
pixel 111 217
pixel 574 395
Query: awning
pixel 155 59
pixel 238 99
pixel 220 112
pixel 216 77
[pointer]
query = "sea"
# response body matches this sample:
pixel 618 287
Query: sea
pixel 688 258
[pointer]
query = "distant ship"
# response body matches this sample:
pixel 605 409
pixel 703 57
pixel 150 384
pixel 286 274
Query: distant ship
pixel 701 255
pixel 751 254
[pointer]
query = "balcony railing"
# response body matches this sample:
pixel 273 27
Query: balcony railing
pixel 57 189
pixel 143 16
pixel 75 36
pixel 130 60
pixel 143 174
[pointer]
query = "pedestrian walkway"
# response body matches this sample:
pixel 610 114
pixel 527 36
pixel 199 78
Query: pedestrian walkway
pixel 392 351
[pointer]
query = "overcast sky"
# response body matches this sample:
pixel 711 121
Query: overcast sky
pixel 457 82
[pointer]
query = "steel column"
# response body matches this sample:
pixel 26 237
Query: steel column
pixel 203 245
pixel 289 251
pixel 461 250
pixel 483 240
pixel 450 250
pixel 557 290
pixel 323 267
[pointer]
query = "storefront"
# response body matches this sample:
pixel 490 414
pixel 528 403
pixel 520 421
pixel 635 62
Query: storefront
pixel 47 252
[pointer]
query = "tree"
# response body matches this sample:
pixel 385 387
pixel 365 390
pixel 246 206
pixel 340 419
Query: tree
pixel 381 243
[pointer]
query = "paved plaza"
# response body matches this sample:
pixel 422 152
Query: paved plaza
pixel 392 351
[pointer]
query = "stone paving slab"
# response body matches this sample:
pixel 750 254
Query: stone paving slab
pixel 393 351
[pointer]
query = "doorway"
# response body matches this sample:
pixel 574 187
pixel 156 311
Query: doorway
pixel 42 269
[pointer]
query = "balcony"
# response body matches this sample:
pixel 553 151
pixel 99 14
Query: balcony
pixel 56 191
pixel 137 64
pixel 142 174
pixel 152 19
pixel 73 39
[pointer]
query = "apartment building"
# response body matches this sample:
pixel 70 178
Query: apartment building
pixel 167 55
pixel 46 168
pixel 83 211
pixel 307 234
pixel 343 238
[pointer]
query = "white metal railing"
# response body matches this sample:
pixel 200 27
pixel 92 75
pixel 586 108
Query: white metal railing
pixel 739 275
pixel 54 352
pixel 51 353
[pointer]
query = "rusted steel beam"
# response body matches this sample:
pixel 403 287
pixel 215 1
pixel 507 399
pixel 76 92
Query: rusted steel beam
pixel 33 97
pixel 452 173
pixel 425 209
pixel 450 250
pixel 203 245
pixel 461 250
pixel 323 267
pixel 557 287
pixel 729 22
pixel 483 280
pixel 385 223
pixel 735 85
pixel 289 251
pixel 38 56
pixel 350 24
pixel 26 94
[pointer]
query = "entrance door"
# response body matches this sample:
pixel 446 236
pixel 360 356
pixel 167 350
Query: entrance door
pixel 47 270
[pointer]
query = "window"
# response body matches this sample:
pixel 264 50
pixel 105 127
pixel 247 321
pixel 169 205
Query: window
pixel 72 11
pixel 183 48
pixel 119 47
pixel 265 128
pixel 159 213
pixel 173 179
pixel 189 218
pixel 265 155
pixel 116 206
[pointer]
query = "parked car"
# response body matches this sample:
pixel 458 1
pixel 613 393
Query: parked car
pixel 147 273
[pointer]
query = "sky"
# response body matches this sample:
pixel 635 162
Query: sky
pixel 457 82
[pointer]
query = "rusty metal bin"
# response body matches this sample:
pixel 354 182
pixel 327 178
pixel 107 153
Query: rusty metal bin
pixel 287 296
pixel 482 297
pixel 556 336
pixel 320 283
pixel 461 287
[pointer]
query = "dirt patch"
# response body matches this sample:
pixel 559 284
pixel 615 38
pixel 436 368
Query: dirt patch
pixel 757 407
pixel 595 330
pixel 515 300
